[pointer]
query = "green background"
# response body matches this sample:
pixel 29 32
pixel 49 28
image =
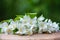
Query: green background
pixel 49 8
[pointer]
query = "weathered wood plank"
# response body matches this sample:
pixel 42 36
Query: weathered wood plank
pixel 53 36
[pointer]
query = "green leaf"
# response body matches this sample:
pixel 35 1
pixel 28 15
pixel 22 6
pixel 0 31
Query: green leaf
pixel 5 21
pixel 14 31
pixel 18 17
pixel 0 30
pixel 32 15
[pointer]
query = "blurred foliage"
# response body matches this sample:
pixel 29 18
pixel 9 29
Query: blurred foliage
pixel 49 8
pixel 0 30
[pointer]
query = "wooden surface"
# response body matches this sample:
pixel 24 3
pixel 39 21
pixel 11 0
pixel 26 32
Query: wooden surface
pixel 53 36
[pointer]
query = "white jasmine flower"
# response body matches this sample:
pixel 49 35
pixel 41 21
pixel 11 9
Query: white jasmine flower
pixel 42 27
pixel 26 32
pixel 41 18
pixel 0 25
pixel 28 25
pixel 41 24
pixel 21 20
pixel 34 20
pixel 12 25
pixel 52 27
pixel 8 29
pixel 34 28
pixel 25 19
pixel 56 26
pixel 26 28
pixel 34 24
pixel 49 21
pixel 46 20
pixel 23 29
pixel 29 32
pixel 4 26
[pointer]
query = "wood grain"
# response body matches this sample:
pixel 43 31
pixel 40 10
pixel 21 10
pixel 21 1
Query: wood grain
pixel 53 36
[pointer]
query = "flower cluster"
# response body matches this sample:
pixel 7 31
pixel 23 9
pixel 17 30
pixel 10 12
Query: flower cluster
pixel 46 25
pixel 28 26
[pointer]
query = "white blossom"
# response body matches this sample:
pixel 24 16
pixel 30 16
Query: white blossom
pixel 41 18
pixel 27 25
pixel 12 25
pixel 42 27
pixel 5 28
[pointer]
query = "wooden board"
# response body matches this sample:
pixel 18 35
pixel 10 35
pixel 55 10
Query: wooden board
pixel 53 36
